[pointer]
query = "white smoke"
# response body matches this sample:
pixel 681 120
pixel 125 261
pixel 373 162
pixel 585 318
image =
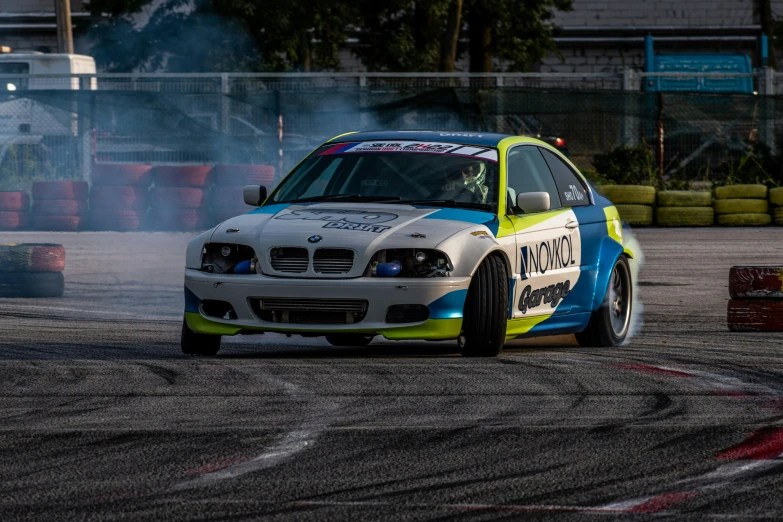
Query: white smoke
pixel 637 308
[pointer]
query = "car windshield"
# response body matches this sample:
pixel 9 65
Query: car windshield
pixel 398 172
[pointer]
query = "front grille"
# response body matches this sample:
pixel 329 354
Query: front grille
pixel 332 260
pixel 309 311
pixel 288 259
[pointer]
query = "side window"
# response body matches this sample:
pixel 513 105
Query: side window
pixel 528 172
pixel 572 192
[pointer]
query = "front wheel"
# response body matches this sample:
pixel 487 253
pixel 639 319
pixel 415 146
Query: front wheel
pixel 609 324
pixel 198 344
pixel 486 311
pixel 349 339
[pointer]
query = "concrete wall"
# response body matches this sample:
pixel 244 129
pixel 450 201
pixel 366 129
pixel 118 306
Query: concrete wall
pixel 635 13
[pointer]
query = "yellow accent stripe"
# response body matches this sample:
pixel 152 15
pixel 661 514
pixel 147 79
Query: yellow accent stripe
pixel 432 329
pixel 522 325
pixel 612 222
pixel 341 135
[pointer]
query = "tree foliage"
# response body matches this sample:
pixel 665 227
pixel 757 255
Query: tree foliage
pixel 288 35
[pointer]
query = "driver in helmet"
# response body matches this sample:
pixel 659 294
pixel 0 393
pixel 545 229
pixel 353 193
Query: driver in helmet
pixel 473 176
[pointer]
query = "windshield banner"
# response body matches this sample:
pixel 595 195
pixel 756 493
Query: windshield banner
pixel 431 147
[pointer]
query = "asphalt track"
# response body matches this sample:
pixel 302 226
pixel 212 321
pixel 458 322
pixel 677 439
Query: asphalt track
pixel 102 418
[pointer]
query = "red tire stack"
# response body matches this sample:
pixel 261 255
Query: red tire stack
pixel 13 210
pixel 756 299
pixel 226 199
pixel 119 196
pixel 179 199
pixel 32 270
pixel 59 205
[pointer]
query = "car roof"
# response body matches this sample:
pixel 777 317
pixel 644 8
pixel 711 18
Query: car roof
pixel 487 139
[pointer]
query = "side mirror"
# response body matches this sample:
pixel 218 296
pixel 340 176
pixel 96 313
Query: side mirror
pixel 254 195
pixel 531 202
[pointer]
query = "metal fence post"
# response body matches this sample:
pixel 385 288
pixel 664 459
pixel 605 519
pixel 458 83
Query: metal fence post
pixel 629 133
pixel 767 90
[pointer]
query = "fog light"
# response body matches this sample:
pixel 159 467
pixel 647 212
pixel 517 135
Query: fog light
pixel 421 257
pixel 407 313
pixel 226 251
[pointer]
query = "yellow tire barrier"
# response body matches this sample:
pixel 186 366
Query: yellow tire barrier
pixel 636 214
pixel 776 196
pixel 741 192
pixel 777 216
pixel 744 220
pixel 628 194
pixel 684 198
pixel 685 216
pixel 741 206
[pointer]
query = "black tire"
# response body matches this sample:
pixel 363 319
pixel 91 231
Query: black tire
pixel 601 331
pixel 349 339
pixel 199 344
pixel 31 284
pixel 486 311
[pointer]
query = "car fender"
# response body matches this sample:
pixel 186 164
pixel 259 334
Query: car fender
pixel 468 248
pixel 610 252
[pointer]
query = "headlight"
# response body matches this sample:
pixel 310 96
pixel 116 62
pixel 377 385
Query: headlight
pixel 409 262
pixel 227 258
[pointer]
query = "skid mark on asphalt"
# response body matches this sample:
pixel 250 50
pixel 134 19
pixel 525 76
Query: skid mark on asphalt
pixel 287 446
pixel 758 454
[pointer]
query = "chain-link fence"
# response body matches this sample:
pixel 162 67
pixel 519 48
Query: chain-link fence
pixel 57 127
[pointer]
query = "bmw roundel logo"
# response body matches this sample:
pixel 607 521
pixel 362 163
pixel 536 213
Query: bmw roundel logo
pixel 314 239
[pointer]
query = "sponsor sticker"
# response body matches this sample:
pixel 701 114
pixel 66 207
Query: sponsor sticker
pixel 548 255
pixel 428 147
pixel 551 295
pixel 574 193
pixel 359 220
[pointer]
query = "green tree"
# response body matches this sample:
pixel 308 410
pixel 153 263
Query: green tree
pixel 221 35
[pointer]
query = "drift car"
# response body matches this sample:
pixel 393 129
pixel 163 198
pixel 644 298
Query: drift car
pixel 480 238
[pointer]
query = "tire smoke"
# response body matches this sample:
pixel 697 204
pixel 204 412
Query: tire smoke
pixel 637 307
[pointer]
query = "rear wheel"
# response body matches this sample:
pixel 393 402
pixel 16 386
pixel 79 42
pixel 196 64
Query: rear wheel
pixel 486 311
pixel 609 324
pixel 349 339
pixel 198 344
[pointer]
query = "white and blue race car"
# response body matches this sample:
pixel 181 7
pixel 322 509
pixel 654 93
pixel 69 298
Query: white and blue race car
pixel 478 238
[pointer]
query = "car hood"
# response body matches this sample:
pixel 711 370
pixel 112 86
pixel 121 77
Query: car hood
pixel 363 228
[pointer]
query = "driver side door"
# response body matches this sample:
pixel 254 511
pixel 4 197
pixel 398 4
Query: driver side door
pixel 548 243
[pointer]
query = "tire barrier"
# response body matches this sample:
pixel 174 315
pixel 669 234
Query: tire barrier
pixel 14 201
pixel 753 282
pixel 225 174
pixel 117 220
pixel 744 220
pixel 181 175
pixel 46 284
pixel 60 190
pixel 113 174
pixel 741 206
pixel 32 270
pixel 776 202
pixel 685 216
pixel 755 315
pixel 638 215
pixel 14 220
pixel 684 198
pixel 177 219
pixel 628 194
pixel 32 257
pixel 178 198
pixel 118 197
pixel 59 206
pixel 741 192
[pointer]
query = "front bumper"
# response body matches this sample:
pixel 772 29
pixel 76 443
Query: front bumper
pixel 444 296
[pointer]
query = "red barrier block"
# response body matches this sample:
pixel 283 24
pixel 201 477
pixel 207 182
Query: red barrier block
pixel 756 282
pixel 755 315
